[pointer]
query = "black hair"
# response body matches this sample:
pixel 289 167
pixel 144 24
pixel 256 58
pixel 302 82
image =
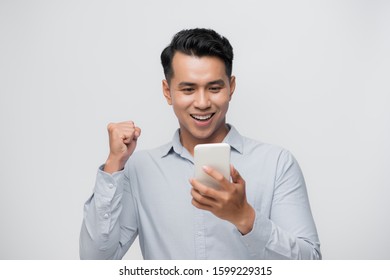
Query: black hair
pixel 197 42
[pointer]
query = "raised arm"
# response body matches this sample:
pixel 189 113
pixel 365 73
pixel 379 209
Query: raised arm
pixel 109 226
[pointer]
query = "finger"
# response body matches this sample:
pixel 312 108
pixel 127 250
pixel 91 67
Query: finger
pixel 127 139
pixel 127 124
pixel 137 132
pixel 201 206
pixel 236 177
pixel 203 189
pixel 127 127
pixel 130 134
pixel 201 199
pixel 216 175
pixel 121 126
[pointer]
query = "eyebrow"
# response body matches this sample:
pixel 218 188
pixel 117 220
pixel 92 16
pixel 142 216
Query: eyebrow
pixel 219 82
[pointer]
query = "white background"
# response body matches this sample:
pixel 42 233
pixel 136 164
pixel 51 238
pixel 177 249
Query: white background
pixel 312 76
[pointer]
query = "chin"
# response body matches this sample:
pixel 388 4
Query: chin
pixel 203 136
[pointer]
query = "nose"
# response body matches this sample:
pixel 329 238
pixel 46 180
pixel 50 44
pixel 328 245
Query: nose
pixel 202 100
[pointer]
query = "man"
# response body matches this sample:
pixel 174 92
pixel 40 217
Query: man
pixel 263 212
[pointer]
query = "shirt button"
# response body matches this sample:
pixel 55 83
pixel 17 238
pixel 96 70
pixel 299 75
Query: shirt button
pixel 110 186
pixel 105 216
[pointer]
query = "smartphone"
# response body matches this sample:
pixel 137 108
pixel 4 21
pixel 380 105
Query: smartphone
pixel 216 156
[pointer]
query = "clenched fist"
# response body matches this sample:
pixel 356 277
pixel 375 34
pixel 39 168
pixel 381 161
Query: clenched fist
pixel 123 140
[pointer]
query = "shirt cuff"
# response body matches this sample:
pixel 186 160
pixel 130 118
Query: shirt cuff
pixel 107 185
pixel 108 193
pixel 257 239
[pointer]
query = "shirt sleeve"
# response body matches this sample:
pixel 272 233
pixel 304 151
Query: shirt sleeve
pixel 289 232
pixel 109 224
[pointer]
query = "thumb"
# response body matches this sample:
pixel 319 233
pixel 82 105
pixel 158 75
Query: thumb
pixel 236 177
pixel 137 133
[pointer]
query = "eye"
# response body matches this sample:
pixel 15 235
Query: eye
pixel 188 90
pixel 215 89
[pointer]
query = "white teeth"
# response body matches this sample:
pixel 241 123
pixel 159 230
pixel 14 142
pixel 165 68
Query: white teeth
pixel 202 118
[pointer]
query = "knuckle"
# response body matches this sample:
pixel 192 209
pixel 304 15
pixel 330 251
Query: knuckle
pixel 225 199
pixel 201 199
pixel 194 193
pixel 110 126
pixel 129 124
pixel 219 177
pixel 205 192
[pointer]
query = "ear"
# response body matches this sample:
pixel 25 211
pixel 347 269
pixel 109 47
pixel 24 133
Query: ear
pixel 232 85
pixel 167 91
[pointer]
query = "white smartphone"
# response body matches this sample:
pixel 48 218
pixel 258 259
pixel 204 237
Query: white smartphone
pixel 216 156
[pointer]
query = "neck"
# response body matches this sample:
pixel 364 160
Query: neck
pixel 189 141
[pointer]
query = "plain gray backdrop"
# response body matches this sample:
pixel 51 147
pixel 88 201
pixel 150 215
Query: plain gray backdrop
pixel 312 76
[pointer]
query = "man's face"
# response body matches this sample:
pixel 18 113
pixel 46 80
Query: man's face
pixel 200 92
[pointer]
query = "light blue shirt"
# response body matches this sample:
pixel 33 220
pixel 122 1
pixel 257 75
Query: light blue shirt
pixel 151 199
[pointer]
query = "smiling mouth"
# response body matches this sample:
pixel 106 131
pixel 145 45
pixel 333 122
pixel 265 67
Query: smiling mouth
pixel 202 118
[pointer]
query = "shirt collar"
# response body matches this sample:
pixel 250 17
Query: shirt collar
pixel 233 138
